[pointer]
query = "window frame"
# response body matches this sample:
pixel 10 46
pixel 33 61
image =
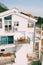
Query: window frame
pixel 8 22
pixel 0 23
pixel 4 40
pixel 16 23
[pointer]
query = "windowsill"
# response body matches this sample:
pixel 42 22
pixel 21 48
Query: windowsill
pixel 9 31
pixel 7 46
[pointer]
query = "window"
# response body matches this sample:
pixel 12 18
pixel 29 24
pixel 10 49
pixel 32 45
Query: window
pixel 0 23
pixel 8 23
pixel 16 23
pixel 10 27
pixel 0 40
pixel 3 40
pixel 6 27
pixel 8 17
pixel 30 25
pixel 10 39
pixel 6 40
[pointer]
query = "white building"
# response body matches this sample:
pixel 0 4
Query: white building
pixel 15 27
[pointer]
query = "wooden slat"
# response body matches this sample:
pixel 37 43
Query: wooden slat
pixel 42 42
pixel 39 31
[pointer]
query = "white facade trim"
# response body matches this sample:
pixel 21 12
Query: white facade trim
pixel 14 11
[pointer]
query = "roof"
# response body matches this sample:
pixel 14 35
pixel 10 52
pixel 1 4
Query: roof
pixel 8 12
pixel 12 11
pixel 29 15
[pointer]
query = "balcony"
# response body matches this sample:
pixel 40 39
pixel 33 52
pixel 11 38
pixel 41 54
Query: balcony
pixel 6 58
pixel 35 57
pixel 42 50
pixel 38 31
pixel 42 42
pixel 21 37
pixel 36 48
pixel 22 40
pixel 29 57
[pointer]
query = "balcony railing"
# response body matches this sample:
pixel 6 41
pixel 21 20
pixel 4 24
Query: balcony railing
pixel 7 58
pixel 22 40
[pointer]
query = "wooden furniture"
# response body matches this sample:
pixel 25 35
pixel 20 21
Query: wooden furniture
pixel 35 57
pixel 29 57
pixel 22 40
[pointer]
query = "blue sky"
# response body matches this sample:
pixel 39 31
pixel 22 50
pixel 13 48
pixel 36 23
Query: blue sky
pixel 35 7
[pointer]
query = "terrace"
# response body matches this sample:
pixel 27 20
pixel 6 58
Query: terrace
pixel 7 58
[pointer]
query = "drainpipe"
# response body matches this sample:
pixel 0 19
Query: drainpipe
pixel 34 38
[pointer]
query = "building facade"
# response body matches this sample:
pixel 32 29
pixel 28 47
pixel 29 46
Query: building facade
pixel 16 28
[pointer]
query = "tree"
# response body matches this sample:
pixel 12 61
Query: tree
pixel 3 8
pixel 40 21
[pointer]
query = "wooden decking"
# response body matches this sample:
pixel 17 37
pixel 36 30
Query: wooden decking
pixel 42 42
pixel 42 46
pixel 31 57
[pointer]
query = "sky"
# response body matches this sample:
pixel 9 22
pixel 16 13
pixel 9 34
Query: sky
pixel 34 7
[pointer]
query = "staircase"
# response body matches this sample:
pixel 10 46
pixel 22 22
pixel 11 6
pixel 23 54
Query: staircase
pixel 37 43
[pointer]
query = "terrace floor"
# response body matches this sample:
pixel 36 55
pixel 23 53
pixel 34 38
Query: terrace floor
pixel 21 58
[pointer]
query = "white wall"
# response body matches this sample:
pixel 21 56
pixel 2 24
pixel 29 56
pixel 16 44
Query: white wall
pixel 22 22
pixel 22 26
